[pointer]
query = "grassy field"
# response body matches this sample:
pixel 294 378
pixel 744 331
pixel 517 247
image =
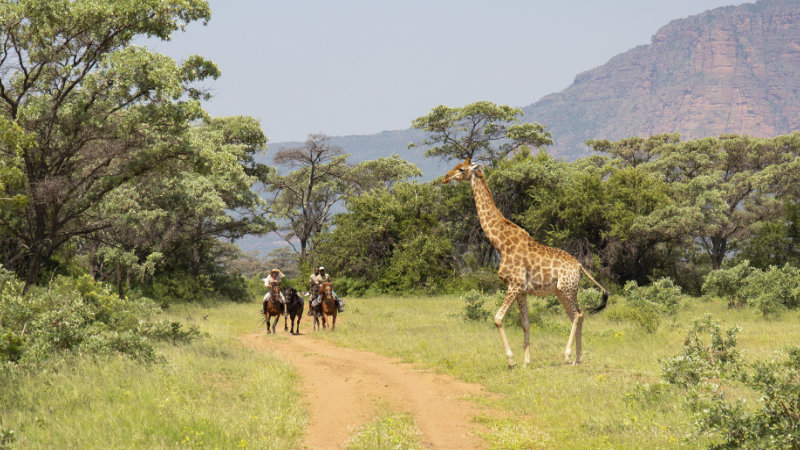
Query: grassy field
pixel 214 393
pixel 613 400
pixel 210 393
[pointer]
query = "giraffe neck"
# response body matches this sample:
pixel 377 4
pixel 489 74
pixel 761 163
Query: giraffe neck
pixel 492 220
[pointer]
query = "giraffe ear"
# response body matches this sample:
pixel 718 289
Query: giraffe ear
pixel 475 166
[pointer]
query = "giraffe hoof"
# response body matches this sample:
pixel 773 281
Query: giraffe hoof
pixel 512 364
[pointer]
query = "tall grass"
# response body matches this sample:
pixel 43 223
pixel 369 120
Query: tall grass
pixel 614 399
pixel 211 393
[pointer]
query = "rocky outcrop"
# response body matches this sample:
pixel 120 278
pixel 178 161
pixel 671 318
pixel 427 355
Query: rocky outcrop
pixel 728 70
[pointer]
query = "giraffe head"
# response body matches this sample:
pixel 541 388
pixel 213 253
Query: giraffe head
pixel 462 171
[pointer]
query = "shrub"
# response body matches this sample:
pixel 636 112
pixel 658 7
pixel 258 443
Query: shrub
pixel 728 282
pixel 77 315
pixel 699 361
pixel 646 305
pixel 703 370
pixel 473 306
pixel 773 290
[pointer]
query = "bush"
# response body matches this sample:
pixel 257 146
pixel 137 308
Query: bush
pixel 769 291
pixel 646 305
pixel 728 282
pixel 699 361
pixel 473 306
pixel 707 373
pixel 77 315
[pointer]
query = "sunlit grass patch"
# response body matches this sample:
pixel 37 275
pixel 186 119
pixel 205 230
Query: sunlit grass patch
pixel 389 431
pixel 210 393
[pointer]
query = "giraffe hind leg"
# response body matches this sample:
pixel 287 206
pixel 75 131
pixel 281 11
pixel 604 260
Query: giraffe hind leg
pixel 511 295
pixel 570 302
pixel 522 301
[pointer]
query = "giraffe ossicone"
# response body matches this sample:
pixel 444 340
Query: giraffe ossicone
pixel 526 266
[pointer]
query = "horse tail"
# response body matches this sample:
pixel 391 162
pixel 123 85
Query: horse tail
pixel 605 293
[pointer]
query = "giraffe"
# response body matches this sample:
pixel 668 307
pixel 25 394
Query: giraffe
pixel 526 266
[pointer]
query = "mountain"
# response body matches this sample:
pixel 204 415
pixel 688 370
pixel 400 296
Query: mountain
pixel 727 70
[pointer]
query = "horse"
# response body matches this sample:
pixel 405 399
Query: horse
pixel 294 308
pixel 328 305
pixel 274 308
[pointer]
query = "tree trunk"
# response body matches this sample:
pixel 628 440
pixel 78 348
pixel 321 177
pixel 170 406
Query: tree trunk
pixel 719 246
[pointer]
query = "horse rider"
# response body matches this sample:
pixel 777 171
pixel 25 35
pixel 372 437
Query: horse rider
pixel 274 277
pixel 315 283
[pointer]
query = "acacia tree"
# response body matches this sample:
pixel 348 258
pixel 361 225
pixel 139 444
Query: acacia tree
pixel 179 214
pixel 723 188
pixel 482 131
pixel 303 199
pixel 100 111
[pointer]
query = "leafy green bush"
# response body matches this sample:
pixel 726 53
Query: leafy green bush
pixel 662 292
pixel 646 305
pixel 77 315
pixel 773 290
pixel 699 361
pixel 473 306
pixel 770 291
pixel 728 282
pixel 708 371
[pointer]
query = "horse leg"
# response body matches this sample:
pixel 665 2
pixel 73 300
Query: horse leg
pixel 285 328
pixel 333 326
pixel 267 324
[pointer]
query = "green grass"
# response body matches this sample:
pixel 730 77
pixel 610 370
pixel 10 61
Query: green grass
pixel 210 393
pixel 389 431
pixel 613 400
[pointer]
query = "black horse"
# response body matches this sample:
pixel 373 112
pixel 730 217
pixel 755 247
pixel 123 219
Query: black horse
pixel 294 308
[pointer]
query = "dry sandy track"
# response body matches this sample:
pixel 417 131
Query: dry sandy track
pixel 345 388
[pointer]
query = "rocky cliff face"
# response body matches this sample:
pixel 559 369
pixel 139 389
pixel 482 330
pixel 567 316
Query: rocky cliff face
pixel 729 70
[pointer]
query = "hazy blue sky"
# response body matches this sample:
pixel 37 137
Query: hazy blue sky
pixel 360 67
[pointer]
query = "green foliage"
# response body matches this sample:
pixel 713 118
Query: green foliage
pixel 769 291
pixel 708 371
pixel 646 305
pixel 481 131
pixel 77 315
pixel 700 361
pixel 728 282
pixel 473 306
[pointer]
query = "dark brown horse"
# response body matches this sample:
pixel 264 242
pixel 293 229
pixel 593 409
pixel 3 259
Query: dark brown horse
pixel 328 305
pixel 294 308
pixel 274 308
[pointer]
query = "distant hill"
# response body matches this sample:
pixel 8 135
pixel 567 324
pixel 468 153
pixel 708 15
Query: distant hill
pixel 727 70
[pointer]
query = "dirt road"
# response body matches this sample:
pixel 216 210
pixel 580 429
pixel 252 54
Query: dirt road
pixel 346 388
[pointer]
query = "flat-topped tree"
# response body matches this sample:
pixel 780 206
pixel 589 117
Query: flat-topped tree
pixel 481 131
pixel 526 266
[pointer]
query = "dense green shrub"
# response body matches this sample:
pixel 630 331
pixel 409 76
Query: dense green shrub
pixel 699 361
pixel 77 315
pixel 769 291
pixel 473 306
pixel 728 282
pixel 646 306
pixel 707 371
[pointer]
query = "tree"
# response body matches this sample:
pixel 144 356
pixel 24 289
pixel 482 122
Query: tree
pixel 178 214
pixel 304 198
pixel 723 188
pixel 100 111
pixel 482 131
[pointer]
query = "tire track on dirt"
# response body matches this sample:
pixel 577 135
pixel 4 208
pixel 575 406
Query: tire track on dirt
pixel 345 388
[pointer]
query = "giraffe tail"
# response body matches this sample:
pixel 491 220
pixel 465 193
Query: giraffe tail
pixel 605 294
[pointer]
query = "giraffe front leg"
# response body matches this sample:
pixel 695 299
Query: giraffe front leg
pixel 511 295
pixel 572 333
